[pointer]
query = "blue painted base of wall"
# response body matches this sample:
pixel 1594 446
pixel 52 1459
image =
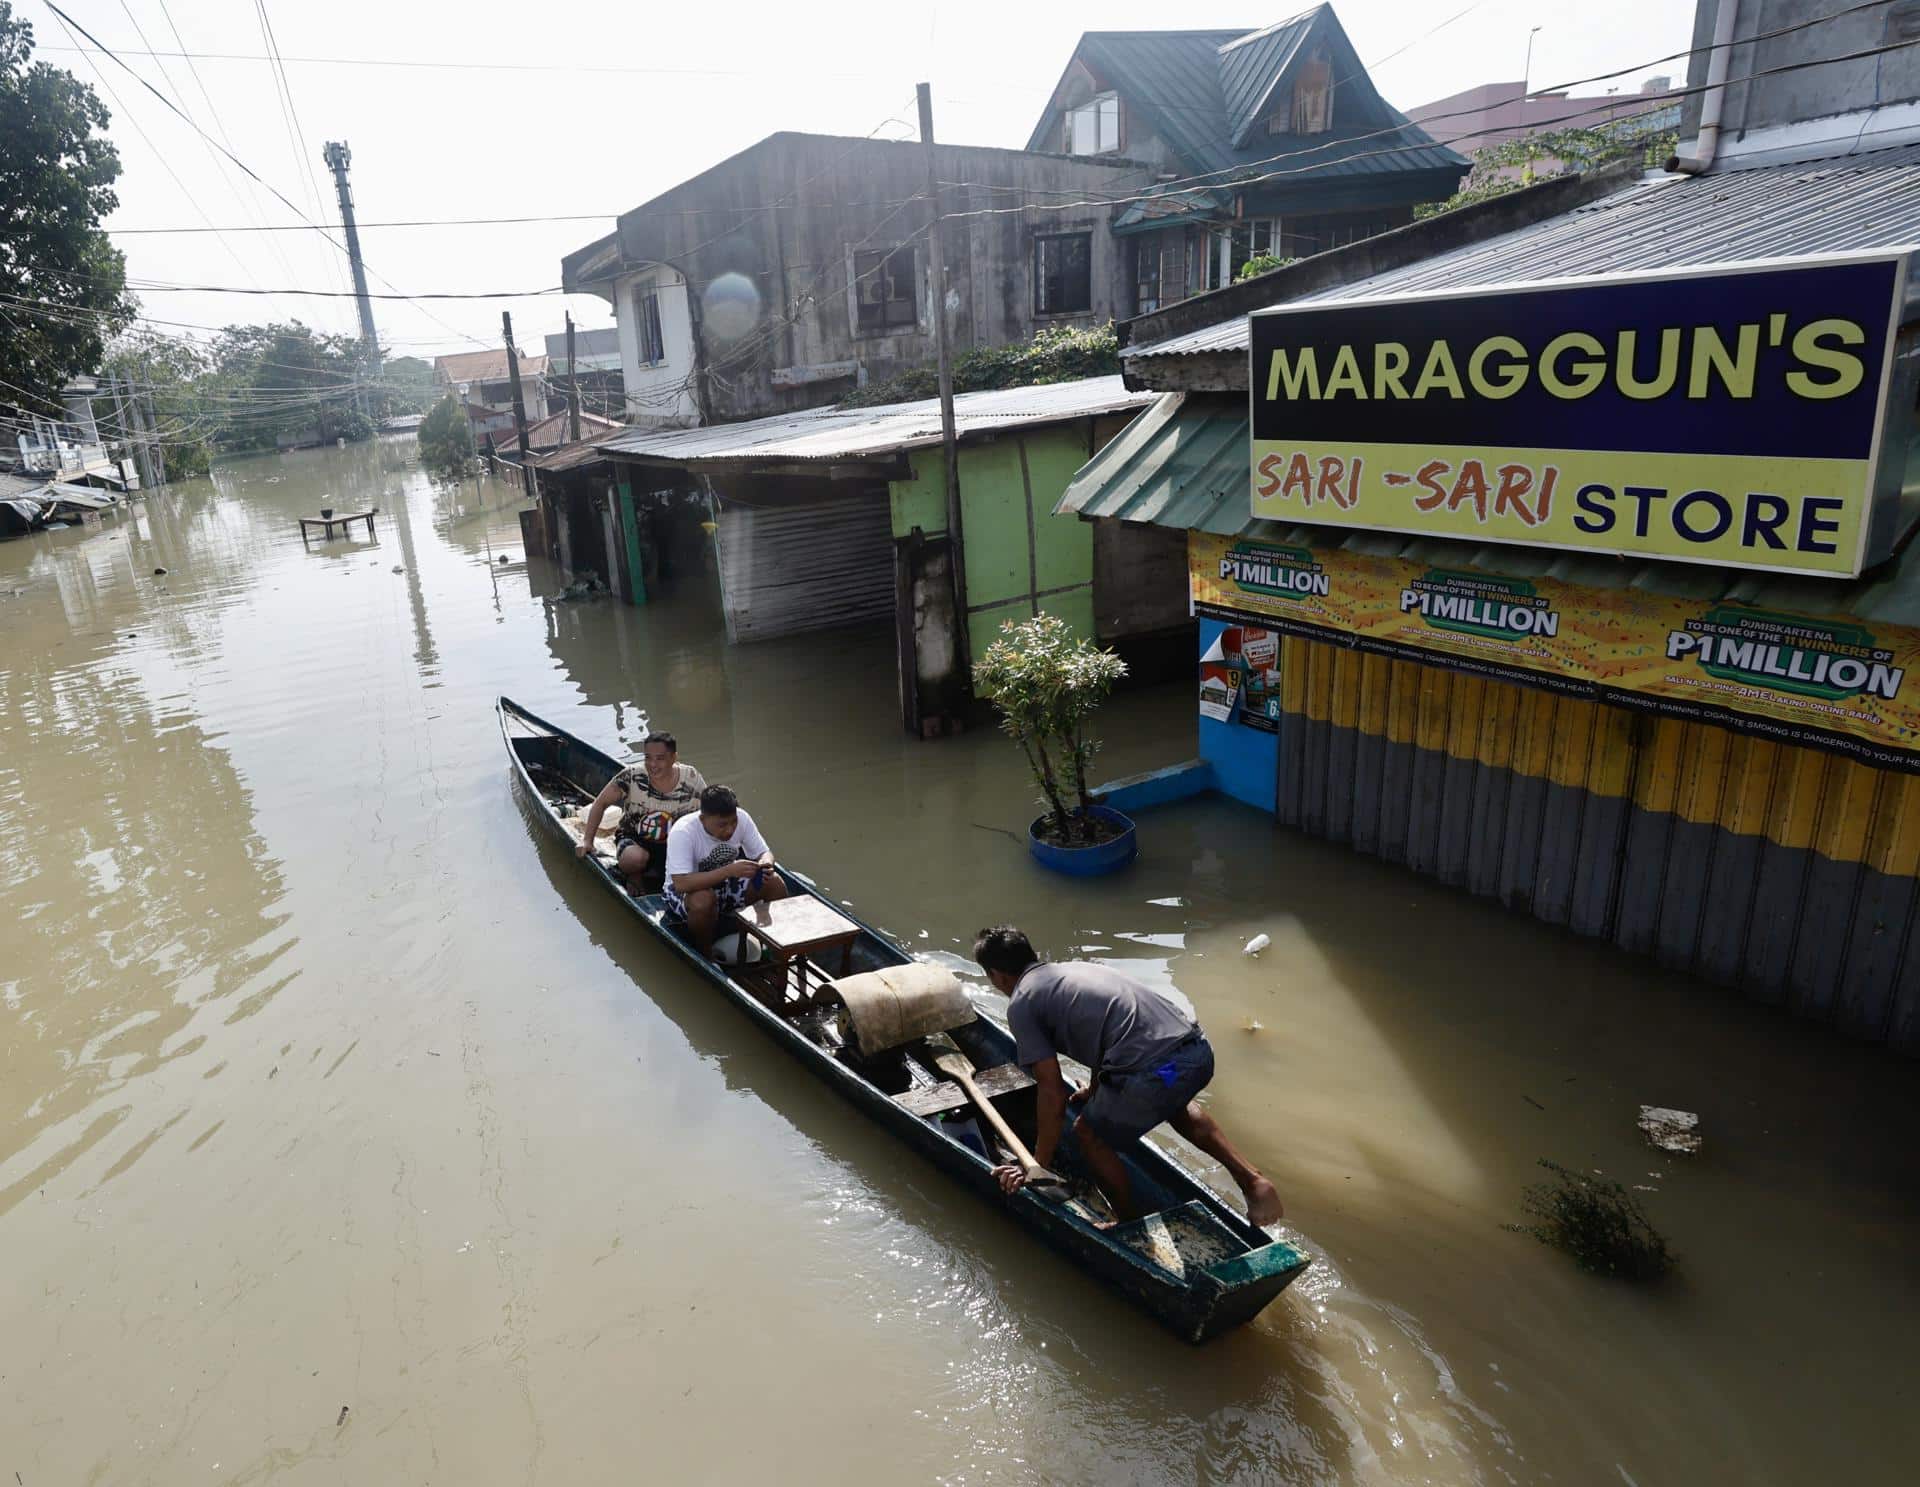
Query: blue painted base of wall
pixel 1245 760
pixel 1157 787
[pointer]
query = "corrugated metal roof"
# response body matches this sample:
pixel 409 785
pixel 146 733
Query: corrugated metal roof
pixel 1185 463
pixel 1782 211
pixel 857 433
pixel 1250 66
pixel 1197 89
pixel 485 366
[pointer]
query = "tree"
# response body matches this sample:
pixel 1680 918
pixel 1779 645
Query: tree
pixel 287 379
pixel 1045 683
pixel 178 376
pixel 445 439
pixel 64 283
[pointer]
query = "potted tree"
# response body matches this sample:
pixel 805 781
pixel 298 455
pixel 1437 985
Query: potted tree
pixel 1045 684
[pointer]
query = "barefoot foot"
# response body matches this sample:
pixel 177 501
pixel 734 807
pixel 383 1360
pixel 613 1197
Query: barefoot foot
pixel 1263 1203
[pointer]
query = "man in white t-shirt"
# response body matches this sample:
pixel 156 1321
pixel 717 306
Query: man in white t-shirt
pixel 717 860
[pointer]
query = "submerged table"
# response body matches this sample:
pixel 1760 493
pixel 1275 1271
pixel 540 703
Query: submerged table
pixel 328 523
pixel 793 929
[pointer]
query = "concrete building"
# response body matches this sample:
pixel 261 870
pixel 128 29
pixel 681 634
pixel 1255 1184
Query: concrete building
pixel 798 270
pixel 1692 738
pixel 597 371
pixel 1271 142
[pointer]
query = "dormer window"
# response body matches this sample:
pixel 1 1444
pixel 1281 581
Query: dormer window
pixel 1094 127
pixel 1312 110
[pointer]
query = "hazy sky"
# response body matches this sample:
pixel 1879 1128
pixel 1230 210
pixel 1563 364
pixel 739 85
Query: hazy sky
pixel 561 107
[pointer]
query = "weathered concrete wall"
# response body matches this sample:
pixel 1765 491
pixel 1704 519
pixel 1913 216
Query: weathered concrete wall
pixel 768 237
pixel 659 392
pixel 1807 92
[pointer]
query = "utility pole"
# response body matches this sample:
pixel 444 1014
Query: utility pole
pixel 153 471
pixel 338 157
pixel 949 440
pixel 573 386
pixel 519 404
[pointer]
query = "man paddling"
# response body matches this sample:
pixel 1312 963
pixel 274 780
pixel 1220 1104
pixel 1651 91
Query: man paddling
pixel 1149 1060
pixel 717 860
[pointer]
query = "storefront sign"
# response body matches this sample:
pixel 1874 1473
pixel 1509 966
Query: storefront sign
pixel 1836 684
pixel 1728 415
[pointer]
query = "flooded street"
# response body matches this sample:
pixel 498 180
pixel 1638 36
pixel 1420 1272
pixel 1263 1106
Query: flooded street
pixel 348 1131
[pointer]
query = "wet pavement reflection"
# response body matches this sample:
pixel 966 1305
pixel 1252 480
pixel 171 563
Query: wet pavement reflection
pixel 347 1132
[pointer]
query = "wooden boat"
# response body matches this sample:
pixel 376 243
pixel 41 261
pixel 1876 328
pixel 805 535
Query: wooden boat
pixel 1193 1263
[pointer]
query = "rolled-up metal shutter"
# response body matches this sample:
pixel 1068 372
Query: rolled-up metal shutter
pixel 786 569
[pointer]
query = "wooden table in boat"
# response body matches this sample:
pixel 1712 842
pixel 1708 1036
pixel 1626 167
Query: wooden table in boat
pixel 338 519
pixel 793 929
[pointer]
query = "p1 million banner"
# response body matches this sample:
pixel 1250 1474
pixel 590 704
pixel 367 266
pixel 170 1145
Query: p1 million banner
pixel 1725 415
pixel 1834 684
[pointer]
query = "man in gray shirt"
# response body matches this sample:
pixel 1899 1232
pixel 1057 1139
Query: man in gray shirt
pixel 1149 1060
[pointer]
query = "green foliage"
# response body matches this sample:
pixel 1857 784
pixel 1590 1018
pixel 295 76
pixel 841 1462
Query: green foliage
pixel 1260 263
pixel 406 385
pixel 175 376
pixel 446 440
pixel 287 380
pixel 1556 152
pixel 1061 353
pixel 1045 684
pixel 57 170
pixel 1596 1221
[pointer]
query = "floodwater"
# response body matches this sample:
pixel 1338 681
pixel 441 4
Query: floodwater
pixel 349 1134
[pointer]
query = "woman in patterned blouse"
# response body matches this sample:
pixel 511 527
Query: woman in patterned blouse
pixel 652 795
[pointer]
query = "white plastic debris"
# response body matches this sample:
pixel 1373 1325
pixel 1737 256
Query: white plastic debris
pixel 1254 1024
pixel 1257 944
pixel 1671 1130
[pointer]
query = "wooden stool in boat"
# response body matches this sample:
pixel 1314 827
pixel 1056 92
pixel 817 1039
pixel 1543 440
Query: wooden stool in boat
pixel 792 931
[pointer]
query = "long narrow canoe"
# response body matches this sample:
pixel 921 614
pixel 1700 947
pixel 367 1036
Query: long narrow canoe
pixel 1193 1263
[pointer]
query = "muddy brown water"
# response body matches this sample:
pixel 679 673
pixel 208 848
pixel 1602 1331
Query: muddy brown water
pixel 347 1133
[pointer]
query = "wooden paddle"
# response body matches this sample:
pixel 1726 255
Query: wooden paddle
pixel 950 1061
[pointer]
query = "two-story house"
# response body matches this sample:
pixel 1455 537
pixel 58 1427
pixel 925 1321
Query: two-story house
pixel 797 270
pixel 1271 142
pixel 483 383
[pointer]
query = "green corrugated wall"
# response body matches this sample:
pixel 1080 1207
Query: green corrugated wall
pixel 1015 547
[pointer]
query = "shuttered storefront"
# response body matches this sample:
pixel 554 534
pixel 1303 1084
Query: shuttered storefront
pixel 788 569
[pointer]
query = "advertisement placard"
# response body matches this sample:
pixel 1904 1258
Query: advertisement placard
pixel 1834 684
pixel 1728 415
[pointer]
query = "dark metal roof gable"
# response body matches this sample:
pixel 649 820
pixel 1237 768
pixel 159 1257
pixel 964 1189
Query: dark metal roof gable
pixel 1252 69
pixel 1211 40
pixel 1206 92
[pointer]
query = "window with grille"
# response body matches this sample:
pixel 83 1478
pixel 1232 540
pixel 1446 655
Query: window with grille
pixel 646 324
pixel 885 290
pixel 1063 274
pixel 1094 127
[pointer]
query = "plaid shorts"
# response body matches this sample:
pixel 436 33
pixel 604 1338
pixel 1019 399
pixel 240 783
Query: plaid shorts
pixel 731 893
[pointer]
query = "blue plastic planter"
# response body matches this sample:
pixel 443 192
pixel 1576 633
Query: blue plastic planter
pixel 1087 862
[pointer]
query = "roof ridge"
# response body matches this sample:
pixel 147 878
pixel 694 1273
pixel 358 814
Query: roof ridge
pixel 1276 26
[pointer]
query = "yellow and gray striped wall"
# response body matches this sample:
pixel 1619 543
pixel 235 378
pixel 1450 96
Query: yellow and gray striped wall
pixel 1781 870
